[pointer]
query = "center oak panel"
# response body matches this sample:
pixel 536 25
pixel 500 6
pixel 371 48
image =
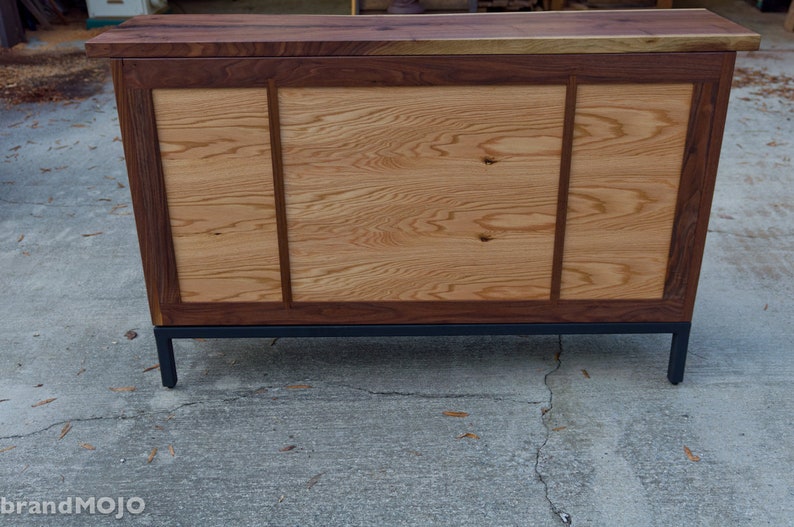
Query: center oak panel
pixel 421 193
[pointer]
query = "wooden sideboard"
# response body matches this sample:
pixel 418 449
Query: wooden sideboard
pixel 439 174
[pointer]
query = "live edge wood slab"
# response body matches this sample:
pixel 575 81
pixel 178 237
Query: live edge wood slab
pixel 439 174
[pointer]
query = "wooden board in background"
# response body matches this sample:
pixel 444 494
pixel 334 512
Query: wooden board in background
pixel 421 193
pixel 215 148
pixel 626 165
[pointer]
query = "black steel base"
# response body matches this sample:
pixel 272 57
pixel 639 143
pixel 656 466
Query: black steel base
pixel 164 336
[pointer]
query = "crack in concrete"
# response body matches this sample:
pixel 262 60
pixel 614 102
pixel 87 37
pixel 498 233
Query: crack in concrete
pixel 143 413
pixel 564 517
pixel 120 417
pixel 63 422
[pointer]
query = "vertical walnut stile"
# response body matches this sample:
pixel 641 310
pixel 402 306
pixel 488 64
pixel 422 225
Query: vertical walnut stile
pixel 693 171
pixel 135 165
pixel 147 190
pixel 718 103
pixel 564 187
pixel 277 157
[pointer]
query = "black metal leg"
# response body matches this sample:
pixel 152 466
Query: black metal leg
pixel 165 351
pixel 678 349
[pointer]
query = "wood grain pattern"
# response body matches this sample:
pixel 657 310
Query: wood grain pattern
pixel 215 148
pixel 464 34
pixel 421 193
pixel 625 171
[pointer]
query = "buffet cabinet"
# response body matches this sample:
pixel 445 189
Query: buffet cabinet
pixel 422 175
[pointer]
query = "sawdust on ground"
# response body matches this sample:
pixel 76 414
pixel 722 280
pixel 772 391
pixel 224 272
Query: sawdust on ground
pixel 55 68
pixel 764 84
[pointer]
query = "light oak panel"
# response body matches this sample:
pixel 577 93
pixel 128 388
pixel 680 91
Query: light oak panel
pixel 625 169
pixel 421 193
pixel 215 150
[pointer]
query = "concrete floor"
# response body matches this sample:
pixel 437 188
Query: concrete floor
pixel 351 431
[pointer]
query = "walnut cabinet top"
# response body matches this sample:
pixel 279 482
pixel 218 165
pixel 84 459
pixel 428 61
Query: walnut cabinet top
pixel 574 32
